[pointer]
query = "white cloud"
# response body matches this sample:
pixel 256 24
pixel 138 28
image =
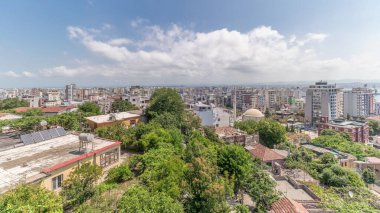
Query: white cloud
pixel 16 74
pixel 181 56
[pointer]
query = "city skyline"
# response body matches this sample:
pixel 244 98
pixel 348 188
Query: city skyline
pixel 170 43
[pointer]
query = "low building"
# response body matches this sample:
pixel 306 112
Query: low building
pixel 236 136
pixel 266 155
pixel 287 205
pixel 50 161
pixel 205 113
pixel 345 160
pixel 57 110
pixel 359 131
pixel 9 116
pixel 127 118
pixel 371 163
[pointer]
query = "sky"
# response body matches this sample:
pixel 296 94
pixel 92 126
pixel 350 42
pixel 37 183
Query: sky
pixel 187 42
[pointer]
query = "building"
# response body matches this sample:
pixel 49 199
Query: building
pixel 52 98
pixel 359 102
pixel 266 155
pixel 127 118
pixel 371 163
pixel 253 114
pixel 344 159
pixel 359 131
pixel 57 110
pixel 70 92
pixel 323 99
pixel 235 136
pixel 287 205
pixel 50 161
pixel 205 113
pixel 9 116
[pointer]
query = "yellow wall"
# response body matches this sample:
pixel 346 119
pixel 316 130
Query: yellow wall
pixel 66 170
pixel 126 123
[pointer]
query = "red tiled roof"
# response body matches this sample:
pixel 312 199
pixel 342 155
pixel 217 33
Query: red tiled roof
pixel 264 153
pixel 57 109
pixel 22 109
pixel 287 205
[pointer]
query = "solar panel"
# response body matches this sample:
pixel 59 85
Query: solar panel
pixel 37 137
pixel 53 133
pixel 26 139
pixel 61 131
pixel 42 136
pixel 46 135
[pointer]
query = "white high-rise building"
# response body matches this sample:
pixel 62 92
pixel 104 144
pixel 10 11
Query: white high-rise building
pixel 70 92
pixel 325 100
pixel 359 102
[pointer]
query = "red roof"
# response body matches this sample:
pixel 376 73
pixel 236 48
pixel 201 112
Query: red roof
pixel 287 205
pixel 22 109
pixel 264 153
pixel 56 109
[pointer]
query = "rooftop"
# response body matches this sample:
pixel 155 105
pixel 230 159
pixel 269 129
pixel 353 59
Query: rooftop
pixel 287 205
pixel 106 118
pixel 9 116
pixel 345 123
pixel 31 162
pixel 264 153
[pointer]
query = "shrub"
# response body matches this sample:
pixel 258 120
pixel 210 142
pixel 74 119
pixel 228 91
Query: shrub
pixel 119 174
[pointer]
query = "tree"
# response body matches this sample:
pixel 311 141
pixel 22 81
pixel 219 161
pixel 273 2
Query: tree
pixel 270 132
pixel 234 160
pixel 374 127
pixel 165 100
pixel 119 174
pixel 11 103
pixel 30 198
pixel 139 199
pixel 122 106
pixel 328 158
pixel 161 170
pixel 90 107
pixel 206 191
pixel 267 114
pixel 329 132
pixel 80 184
pixel 340 177
pixel 368 176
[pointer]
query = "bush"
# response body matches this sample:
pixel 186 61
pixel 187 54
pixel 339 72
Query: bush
pixel 119 174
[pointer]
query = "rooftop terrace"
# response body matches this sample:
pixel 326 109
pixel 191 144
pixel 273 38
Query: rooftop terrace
pixel 30 162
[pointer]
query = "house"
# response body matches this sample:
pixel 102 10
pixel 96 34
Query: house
pixel 287 205
pixel 371 163
pixel 57 110
pixel 265 154
pixel 48 157
pixel 127 118
pixel 236 136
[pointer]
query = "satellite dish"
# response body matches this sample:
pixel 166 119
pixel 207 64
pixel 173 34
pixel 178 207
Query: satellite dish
pixel 43 123
pixel 351 194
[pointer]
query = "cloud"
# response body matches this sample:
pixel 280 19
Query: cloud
pixel 177 55
pixel 16 74
pixel 138 22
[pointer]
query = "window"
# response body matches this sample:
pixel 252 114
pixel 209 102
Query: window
pixel 57 182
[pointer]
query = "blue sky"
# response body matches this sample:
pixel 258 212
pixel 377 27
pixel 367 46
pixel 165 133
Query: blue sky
pixel 115 43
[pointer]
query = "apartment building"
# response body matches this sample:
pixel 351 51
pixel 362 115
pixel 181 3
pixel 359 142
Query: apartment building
pixel 325 100
pixel 359 102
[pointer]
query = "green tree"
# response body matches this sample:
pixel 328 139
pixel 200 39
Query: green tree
pixel 119 174
pixel 206 190
pixel 374 127
pixel 271 132
pixel 80 184
pixel 165 100
pixel 369 176
pixel 138 199
pixel 329 132
pixel 122 106
pixel 267 114
pixel 234 160
pixel 30 198
pixel 11 103
pixel 340 177
pixel 90 107
pixel 161 170
pixel 328 158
